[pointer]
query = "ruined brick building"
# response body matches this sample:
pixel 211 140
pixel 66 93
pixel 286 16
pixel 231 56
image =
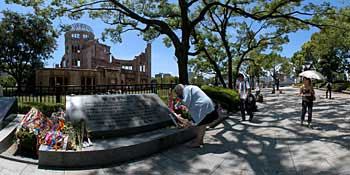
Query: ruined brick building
pixel 88 62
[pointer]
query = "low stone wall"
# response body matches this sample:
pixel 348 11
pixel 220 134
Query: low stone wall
pixel 7 132
pixel 111 151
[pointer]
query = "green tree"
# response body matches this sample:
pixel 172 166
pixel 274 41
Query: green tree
pixel 275 65
pixel 255 67
pixel 26 40
pixel 264 27
pixel 211 59
pixel 175 20
pixel 329 49
pixel 297 60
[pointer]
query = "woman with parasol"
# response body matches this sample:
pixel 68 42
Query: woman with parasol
pixel 308 94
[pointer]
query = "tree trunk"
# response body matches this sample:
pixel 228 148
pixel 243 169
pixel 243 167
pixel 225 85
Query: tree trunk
pixel 229 55
pixel 216 68
pixel 230 75
pixel 253 83
pixel 19 82
pixel 182 61
pixel 237 70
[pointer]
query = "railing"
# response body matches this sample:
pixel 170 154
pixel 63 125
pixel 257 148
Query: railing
pixel 57 94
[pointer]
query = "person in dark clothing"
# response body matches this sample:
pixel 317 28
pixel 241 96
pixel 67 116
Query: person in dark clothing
pixel 329 89
pixel 244 91
pixel 308 95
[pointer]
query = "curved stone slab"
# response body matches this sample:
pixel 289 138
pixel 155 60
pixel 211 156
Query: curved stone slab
pixel 116 150
pixel 7 131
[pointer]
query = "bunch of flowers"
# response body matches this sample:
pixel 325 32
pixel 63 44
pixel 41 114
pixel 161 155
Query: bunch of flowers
pixel 181 109
pixel 32 129
pixel 36 129
pixel 175 105
pixel 54 136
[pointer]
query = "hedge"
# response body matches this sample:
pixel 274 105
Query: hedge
pixel 46 108
pixel 338 87
pixel 227 98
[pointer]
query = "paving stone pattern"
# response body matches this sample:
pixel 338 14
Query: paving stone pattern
pixel 275 144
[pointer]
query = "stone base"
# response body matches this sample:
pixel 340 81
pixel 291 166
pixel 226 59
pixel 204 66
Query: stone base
pixel 7 131
pixel 116 150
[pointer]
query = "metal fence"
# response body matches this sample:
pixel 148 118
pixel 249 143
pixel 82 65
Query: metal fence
pixel 57 94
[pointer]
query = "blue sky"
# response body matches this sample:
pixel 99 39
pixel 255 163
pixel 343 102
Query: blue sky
pixel 162 58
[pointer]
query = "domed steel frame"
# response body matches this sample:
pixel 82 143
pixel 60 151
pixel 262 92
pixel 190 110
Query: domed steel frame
pixel 80 27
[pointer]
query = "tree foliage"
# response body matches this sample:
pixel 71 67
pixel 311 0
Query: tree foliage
pixel 240 26
pixel 329 49
pixel 276 65
pixel 26 41
pixel 265 26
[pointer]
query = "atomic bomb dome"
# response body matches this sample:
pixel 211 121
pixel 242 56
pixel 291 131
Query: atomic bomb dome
pixel 86 61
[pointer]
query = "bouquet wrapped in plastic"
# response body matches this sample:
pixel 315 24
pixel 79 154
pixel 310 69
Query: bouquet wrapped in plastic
pixel 32 128
pixel 180 111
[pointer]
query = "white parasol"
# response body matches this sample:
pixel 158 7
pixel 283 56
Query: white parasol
pixel 312 74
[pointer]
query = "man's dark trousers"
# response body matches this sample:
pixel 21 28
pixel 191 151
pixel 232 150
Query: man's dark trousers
pixel 245 107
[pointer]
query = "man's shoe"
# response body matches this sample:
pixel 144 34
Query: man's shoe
pixel 302 123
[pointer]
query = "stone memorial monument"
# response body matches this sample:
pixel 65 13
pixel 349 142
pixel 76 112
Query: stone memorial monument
pixel 118 115
pixel 8 105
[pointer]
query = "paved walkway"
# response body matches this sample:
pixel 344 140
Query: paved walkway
pixel 274 144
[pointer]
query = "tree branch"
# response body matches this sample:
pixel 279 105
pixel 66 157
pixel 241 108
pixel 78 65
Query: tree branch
pixel 191 3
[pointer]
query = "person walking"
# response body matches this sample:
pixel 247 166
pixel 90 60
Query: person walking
pixel 308 96
pixel 329 89
pixel 244 90
pixel 201 108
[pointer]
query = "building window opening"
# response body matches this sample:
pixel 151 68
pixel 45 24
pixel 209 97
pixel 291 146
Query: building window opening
pixel 142 68
pixel 127 67
pixel 78 63
pixel 75 36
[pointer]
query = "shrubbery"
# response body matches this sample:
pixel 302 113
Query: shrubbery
pixel 340 86
pixel 227 98
pixel 348 89
pixel 7 80
pixel 46 108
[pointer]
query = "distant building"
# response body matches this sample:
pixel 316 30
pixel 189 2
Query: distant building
pixel 159 75
pixel 88 62
pixel 162 75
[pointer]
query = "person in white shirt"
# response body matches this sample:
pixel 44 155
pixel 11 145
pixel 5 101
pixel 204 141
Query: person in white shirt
pixel 244 91
pixel 200 107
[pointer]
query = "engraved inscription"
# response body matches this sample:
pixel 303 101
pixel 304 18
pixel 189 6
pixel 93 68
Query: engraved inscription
pixel 115 112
